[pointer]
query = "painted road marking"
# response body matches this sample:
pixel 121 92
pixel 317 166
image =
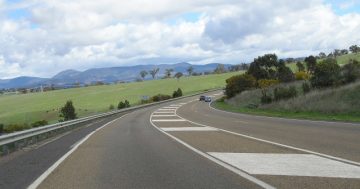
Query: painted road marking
pixel 188 129
pixel 172 108
pixel 166 109
pixel 221 163
pixel 165 112
pixel 164 115
pixel 42 177
pixel 289 165
pixel 277 144
pixel 168 120
pixel 175 105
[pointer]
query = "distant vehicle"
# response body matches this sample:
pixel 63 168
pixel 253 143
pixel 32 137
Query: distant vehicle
pixel 207 99
pixel 202 98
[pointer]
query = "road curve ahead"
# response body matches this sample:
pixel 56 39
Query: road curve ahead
pixel 131 153
pixel 188 144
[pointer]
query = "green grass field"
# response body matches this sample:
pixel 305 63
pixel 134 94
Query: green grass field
pixel 28 108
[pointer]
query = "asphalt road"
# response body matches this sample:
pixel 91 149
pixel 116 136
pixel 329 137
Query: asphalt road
pixel 187 144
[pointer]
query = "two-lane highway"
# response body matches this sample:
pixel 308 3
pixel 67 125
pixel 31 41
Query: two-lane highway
pixel 187 144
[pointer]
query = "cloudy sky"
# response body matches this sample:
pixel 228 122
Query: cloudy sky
pixel 43 37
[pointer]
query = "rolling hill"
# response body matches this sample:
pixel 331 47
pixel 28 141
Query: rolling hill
pixel 107 75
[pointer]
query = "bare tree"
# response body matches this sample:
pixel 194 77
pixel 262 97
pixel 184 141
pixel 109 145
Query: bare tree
pixel 190 70
pixel 178 75
pixel 153 72
pixel 143 74
pixel 168 72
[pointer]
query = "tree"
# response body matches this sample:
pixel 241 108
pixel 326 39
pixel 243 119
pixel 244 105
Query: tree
pixel 68 111
pixel 344 51
pixel 300 66
pixel 220 69
pixel 354 49
pixel 143 74
pixel 153 72
pixel 326 74
pixel 178 75
pixel 310 64
pixel 190 70
pixel 350 72
pixel 290 60
pixel 264 67
pixel 284 73
pixel 322 55
pixel 238 84
pixel 168 72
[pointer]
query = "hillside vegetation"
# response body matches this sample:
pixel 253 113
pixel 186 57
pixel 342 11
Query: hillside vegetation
pixel 322 88
pixel 341 60
pixel 32 107
pixel 341 104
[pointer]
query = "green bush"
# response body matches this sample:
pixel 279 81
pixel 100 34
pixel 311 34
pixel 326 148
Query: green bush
pixel 177 93
pixel 68 111
pixel 160 97
pixel 127 104
pixel 282 93
pixel 111 107
pixel 238 84
pixel 302 75
pixel 306 87
pixel 266 99
pixel 284 74
pixel 123 105
pixel 326 74
pixel 350 72
pixel 39 123
pixel 15 127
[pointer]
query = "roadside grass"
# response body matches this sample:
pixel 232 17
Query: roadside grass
pixel 28 108
pixel 336 104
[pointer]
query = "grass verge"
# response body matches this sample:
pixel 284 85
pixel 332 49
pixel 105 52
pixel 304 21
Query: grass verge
pixel 286 114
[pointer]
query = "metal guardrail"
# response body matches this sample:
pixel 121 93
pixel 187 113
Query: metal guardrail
pixel 32 136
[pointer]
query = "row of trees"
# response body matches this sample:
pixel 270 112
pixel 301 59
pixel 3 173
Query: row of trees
pixel 190 71
pixel 268 70
pixel 340 52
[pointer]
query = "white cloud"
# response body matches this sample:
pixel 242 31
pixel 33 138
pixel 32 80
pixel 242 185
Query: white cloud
pixel 81 34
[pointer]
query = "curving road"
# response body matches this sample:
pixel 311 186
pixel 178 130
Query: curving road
pixel 188 144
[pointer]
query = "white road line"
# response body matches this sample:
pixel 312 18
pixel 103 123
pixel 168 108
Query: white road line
pixel 42 177
pixel 166 109
pixel 165 112
pixel 306 165
pixel 221 163
pixel 172 115
pixel 188 129
pixel 172 108
pixel 175 105
pixel 278 144
pixel 168 120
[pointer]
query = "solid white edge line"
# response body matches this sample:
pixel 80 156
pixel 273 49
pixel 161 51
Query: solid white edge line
pixel 43 176
pixel 278 144
pixel 221 163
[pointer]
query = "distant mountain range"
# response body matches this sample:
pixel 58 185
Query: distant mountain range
pixel 106 75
